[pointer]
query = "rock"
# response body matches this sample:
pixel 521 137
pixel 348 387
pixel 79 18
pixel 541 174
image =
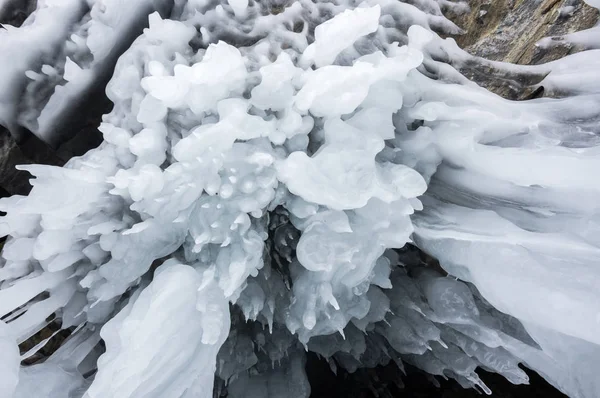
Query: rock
pixel 15 12
pixel 507 30
pixel 12 154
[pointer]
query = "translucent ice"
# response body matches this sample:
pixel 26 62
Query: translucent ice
pixel 193 318
pixel 266 173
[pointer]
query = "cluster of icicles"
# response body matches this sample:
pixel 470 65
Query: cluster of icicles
pixel 264 174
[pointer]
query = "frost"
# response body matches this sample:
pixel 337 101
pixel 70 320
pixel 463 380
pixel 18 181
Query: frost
pixel 260 192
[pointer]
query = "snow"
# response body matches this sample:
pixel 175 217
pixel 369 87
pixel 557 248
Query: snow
pixel 593 3
pixel 259 191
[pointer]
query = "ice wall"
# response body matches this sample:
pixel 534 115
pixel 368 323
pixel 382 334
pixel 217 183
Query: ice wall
pixel 264 172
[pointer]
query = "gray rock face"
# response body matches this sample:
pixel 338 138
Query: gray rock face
pixel 12 154
pixel 31 149
pixel 14 12
pixel 12 181
pixel 508 30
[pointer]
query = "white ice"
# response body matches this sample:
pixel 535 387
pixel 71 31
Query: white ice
pixel 259 191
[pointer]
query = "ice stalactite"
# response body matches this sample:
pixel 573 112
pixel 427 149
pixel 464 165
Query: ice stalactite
pixel 265 170
pixel 57 63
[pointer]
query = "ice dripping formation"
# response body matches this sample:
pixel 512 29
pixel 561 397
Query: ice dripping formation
pixel 264 172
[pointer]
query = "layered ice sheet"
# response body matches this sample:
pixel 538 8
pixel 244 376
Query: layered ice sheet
pixel 263 169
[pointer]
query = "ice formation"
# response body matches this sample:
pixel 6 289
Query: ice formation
pixel 264 172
